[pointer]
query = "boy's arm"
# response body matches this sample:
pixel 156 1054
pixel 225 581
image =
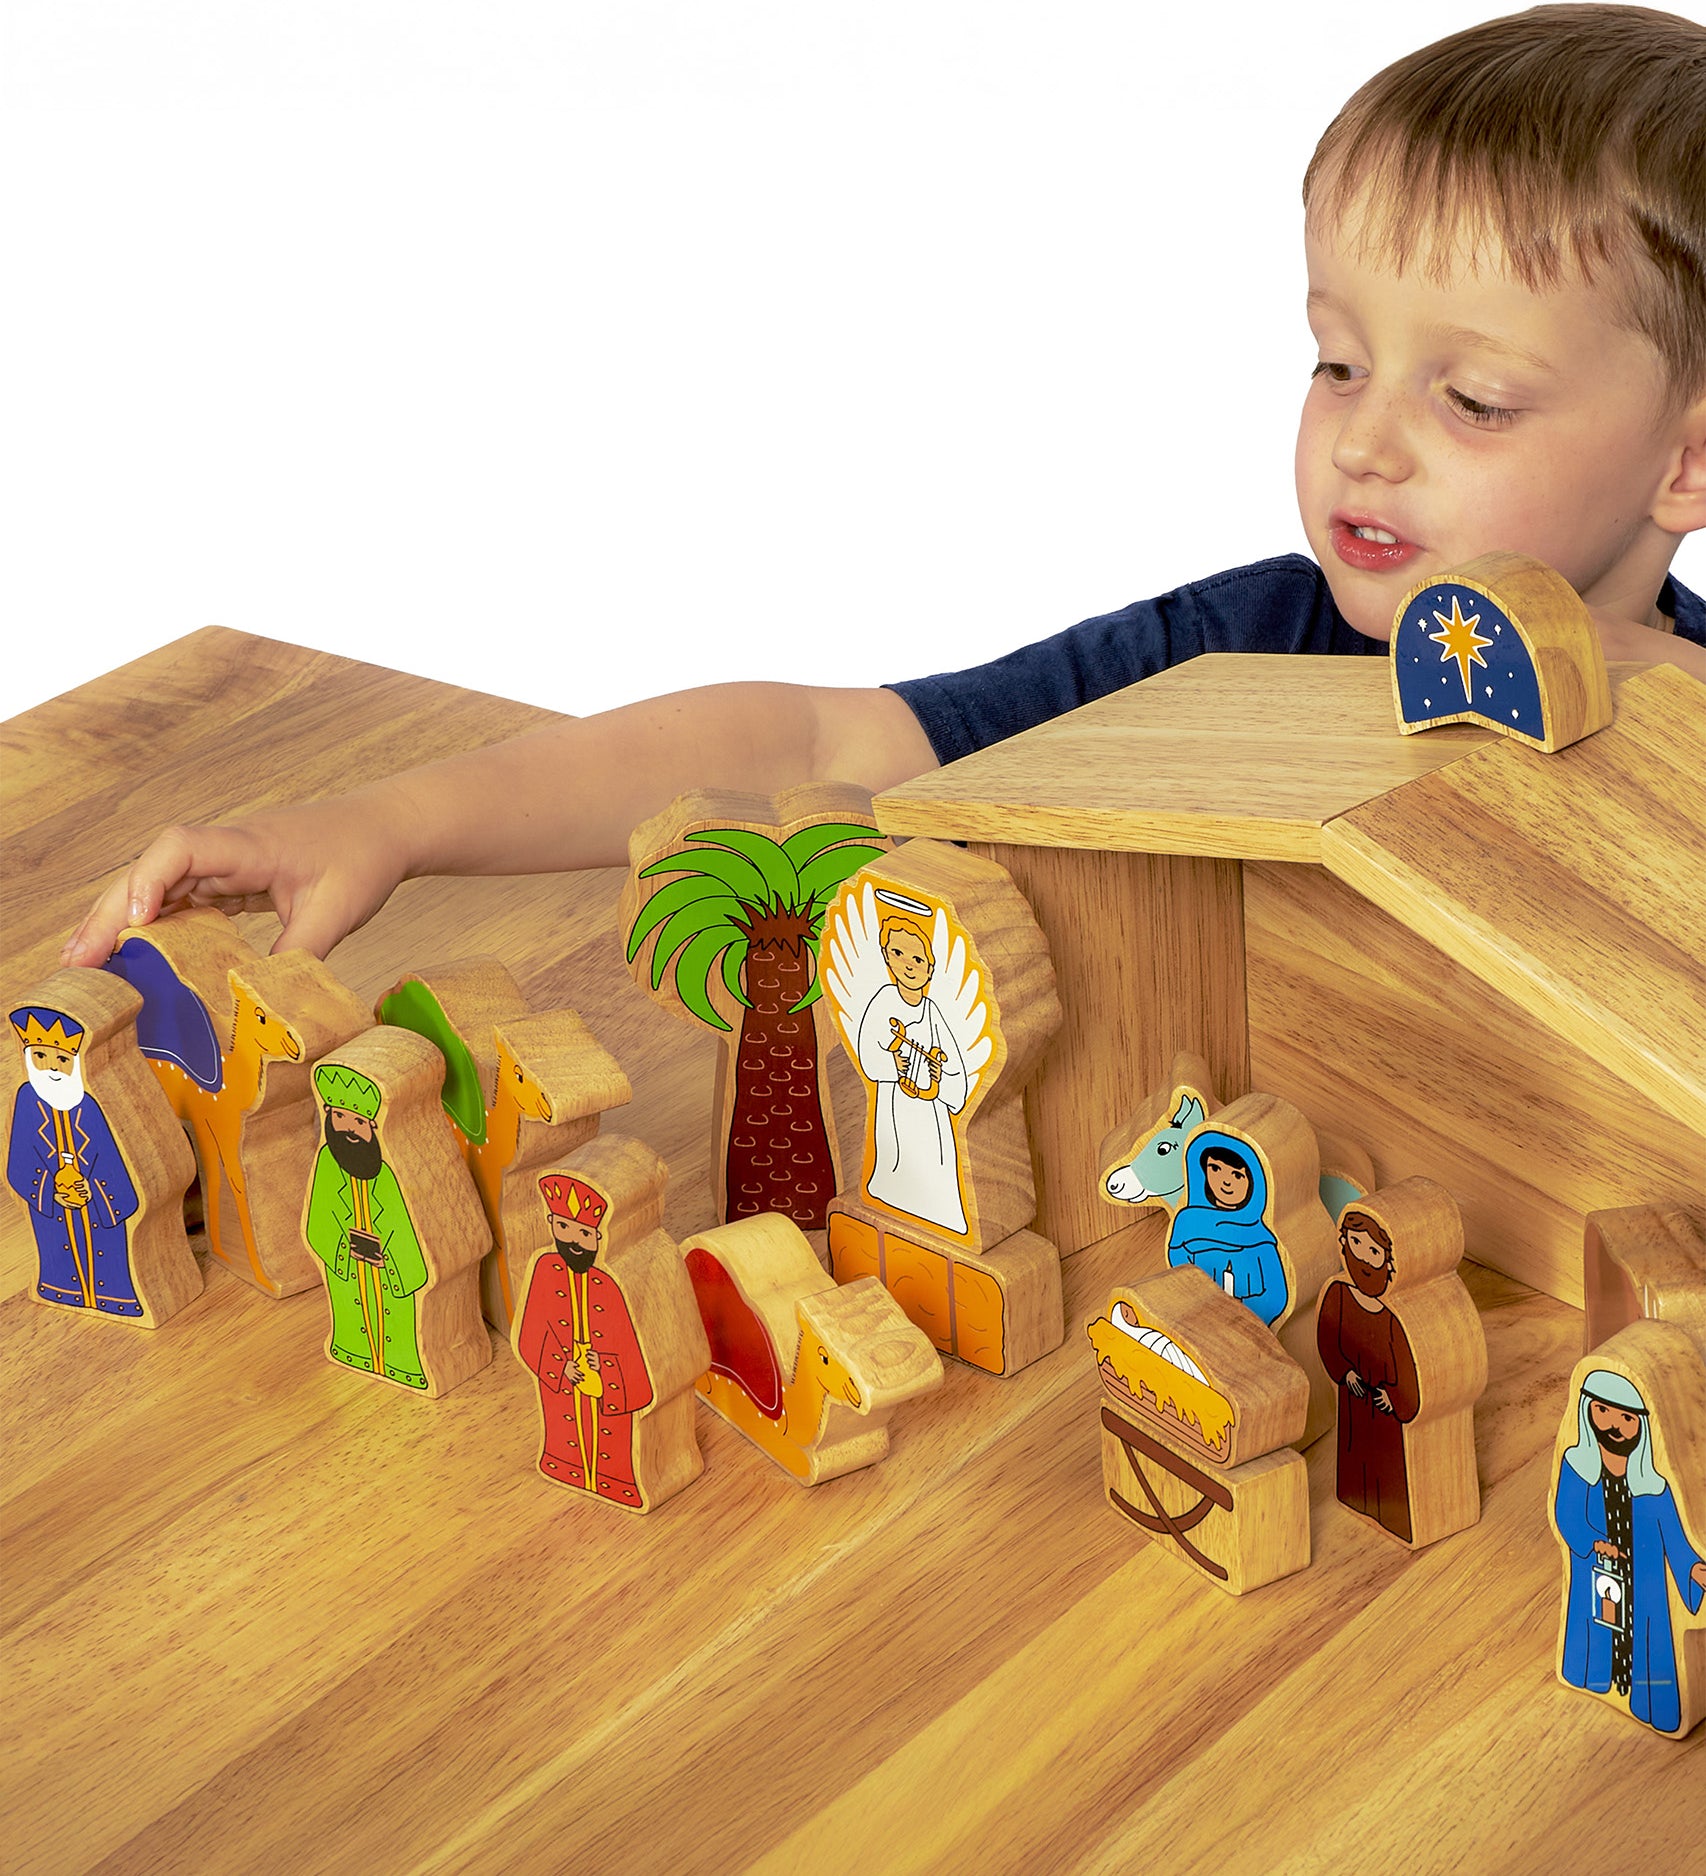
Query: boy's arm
pixel 554 800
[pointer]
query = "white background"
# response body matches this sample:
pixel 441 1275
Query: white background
pixel 582 349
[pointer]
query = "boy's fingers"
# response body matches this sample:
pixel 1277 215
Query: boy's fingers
pixel 198 864
pixel 178 865
pixel 313 924
pixel 92 942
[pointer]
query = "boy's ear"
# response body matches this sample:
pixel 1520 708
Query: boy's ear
pixel 1681 507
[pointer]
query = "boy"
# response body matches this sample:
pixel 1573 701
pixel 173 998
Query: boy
pixel 1506 236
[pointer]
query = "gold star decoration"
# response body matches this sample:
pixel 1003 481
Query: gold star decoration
pixel 1461 641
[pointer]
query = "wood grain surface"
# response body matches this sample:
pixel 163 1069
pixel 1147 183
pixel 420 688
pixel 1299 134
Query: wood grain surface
pixel 1575 886
pixel 1149 956
pixel 1238 757
pixel 260 1617
pixel 1380 1037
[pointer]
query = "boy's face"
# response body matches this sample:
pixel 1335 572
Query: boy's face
pixel 1473 416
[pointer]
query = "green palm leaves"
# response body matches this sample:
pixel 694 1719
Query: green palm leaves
pixel 732 879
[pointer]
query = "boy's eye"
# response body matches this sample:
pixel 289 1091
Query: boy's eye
pixel 1477 412
pixel 1333 372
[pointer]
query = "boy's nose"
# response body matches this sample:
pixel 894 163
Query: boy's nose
pixel 1374 440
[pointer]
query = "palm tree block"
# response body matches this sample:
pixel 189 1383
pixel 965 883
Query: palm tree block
pixel 392 1219
pixel 999 1311
pixel 521 1089
pixel 721 920
pixel 96 1156
pixel 609 1328
pixel 231 1034
pixel 808 1370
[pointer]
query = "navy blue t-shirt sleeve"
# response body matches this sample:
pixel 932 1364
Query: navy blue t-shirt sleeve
pixel 1686 608
pixel 1278 605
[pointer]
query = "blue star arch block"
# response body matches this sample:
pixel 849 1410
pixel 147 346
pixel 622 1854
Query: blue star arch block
pixel 1503 642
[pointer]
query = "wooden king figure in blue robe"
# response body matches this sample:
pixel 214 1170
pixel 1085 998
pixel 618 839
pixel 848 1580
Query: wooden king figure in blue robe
pixel 65 1165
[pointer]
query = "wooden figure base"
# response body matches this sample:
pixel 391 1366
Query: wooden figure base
pixel 1242 1527
pixel 1000 1311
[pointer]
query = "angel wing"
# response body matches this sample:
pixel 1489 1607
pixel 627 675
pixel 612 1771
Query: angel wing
pixel 850 959
pixel 957 987
pixel 854 971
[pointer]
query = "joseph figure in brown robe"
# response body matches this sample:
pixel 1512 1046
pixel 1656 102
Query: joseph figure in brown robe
pixel 1367 1355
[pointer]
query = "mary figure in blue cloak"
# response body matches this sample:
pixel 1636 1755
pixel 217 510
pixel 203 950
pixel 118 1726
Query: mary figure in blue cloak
pixel 1220 1227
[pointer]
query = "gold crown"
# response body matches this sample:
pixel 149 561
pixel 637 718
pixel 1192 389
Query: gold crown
pixel 35 1032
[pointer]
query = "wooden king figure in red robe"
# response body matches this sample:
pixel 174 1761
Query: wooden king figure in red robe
pixel 577 1336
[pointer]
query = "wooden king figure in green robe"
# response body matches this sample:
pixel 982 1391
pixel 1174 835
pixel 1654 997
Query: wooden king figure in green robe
pixel 359 1227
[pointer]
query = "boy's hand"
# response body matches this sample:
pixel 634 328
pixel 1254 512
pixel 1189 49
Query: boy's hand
pixel 1622 638
pixel 325 868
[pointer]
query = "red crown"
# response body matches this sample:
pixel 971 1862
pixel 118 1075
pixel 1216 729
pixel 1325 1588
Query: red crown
pixel 567 1197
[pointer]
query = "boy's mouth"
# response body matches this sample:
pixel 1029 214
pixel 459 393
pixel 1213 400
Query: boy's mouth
pixel 1363 542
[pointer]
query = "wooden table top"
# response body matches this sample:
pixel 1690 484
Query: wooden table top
pixel 260 1615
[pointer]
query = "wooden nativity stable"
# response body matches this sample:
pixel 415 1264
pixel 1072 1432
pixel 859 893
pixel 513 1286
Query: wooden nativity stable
pixel 1485 964
pixel 261 1616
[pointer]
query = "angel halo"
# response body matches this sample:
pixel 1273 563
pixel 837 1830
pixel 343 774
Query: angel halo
pixel 910 1005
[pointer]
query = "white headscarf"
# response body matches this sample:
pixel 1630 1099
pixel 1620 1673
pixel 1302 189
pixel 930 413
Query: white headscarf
pixel 1585 1457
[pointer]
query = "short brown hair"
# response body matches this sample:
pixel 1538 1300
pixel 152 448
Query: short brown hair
pixel 1370 1228
pixel 1574 134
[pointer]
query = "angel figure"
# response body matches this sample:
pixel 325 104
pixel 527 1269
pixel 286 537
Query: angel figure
pixel 920 1053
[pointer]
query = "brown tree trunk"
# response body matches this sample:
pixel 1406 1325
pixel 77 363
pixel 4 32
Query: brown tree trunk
pixel 778 1150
